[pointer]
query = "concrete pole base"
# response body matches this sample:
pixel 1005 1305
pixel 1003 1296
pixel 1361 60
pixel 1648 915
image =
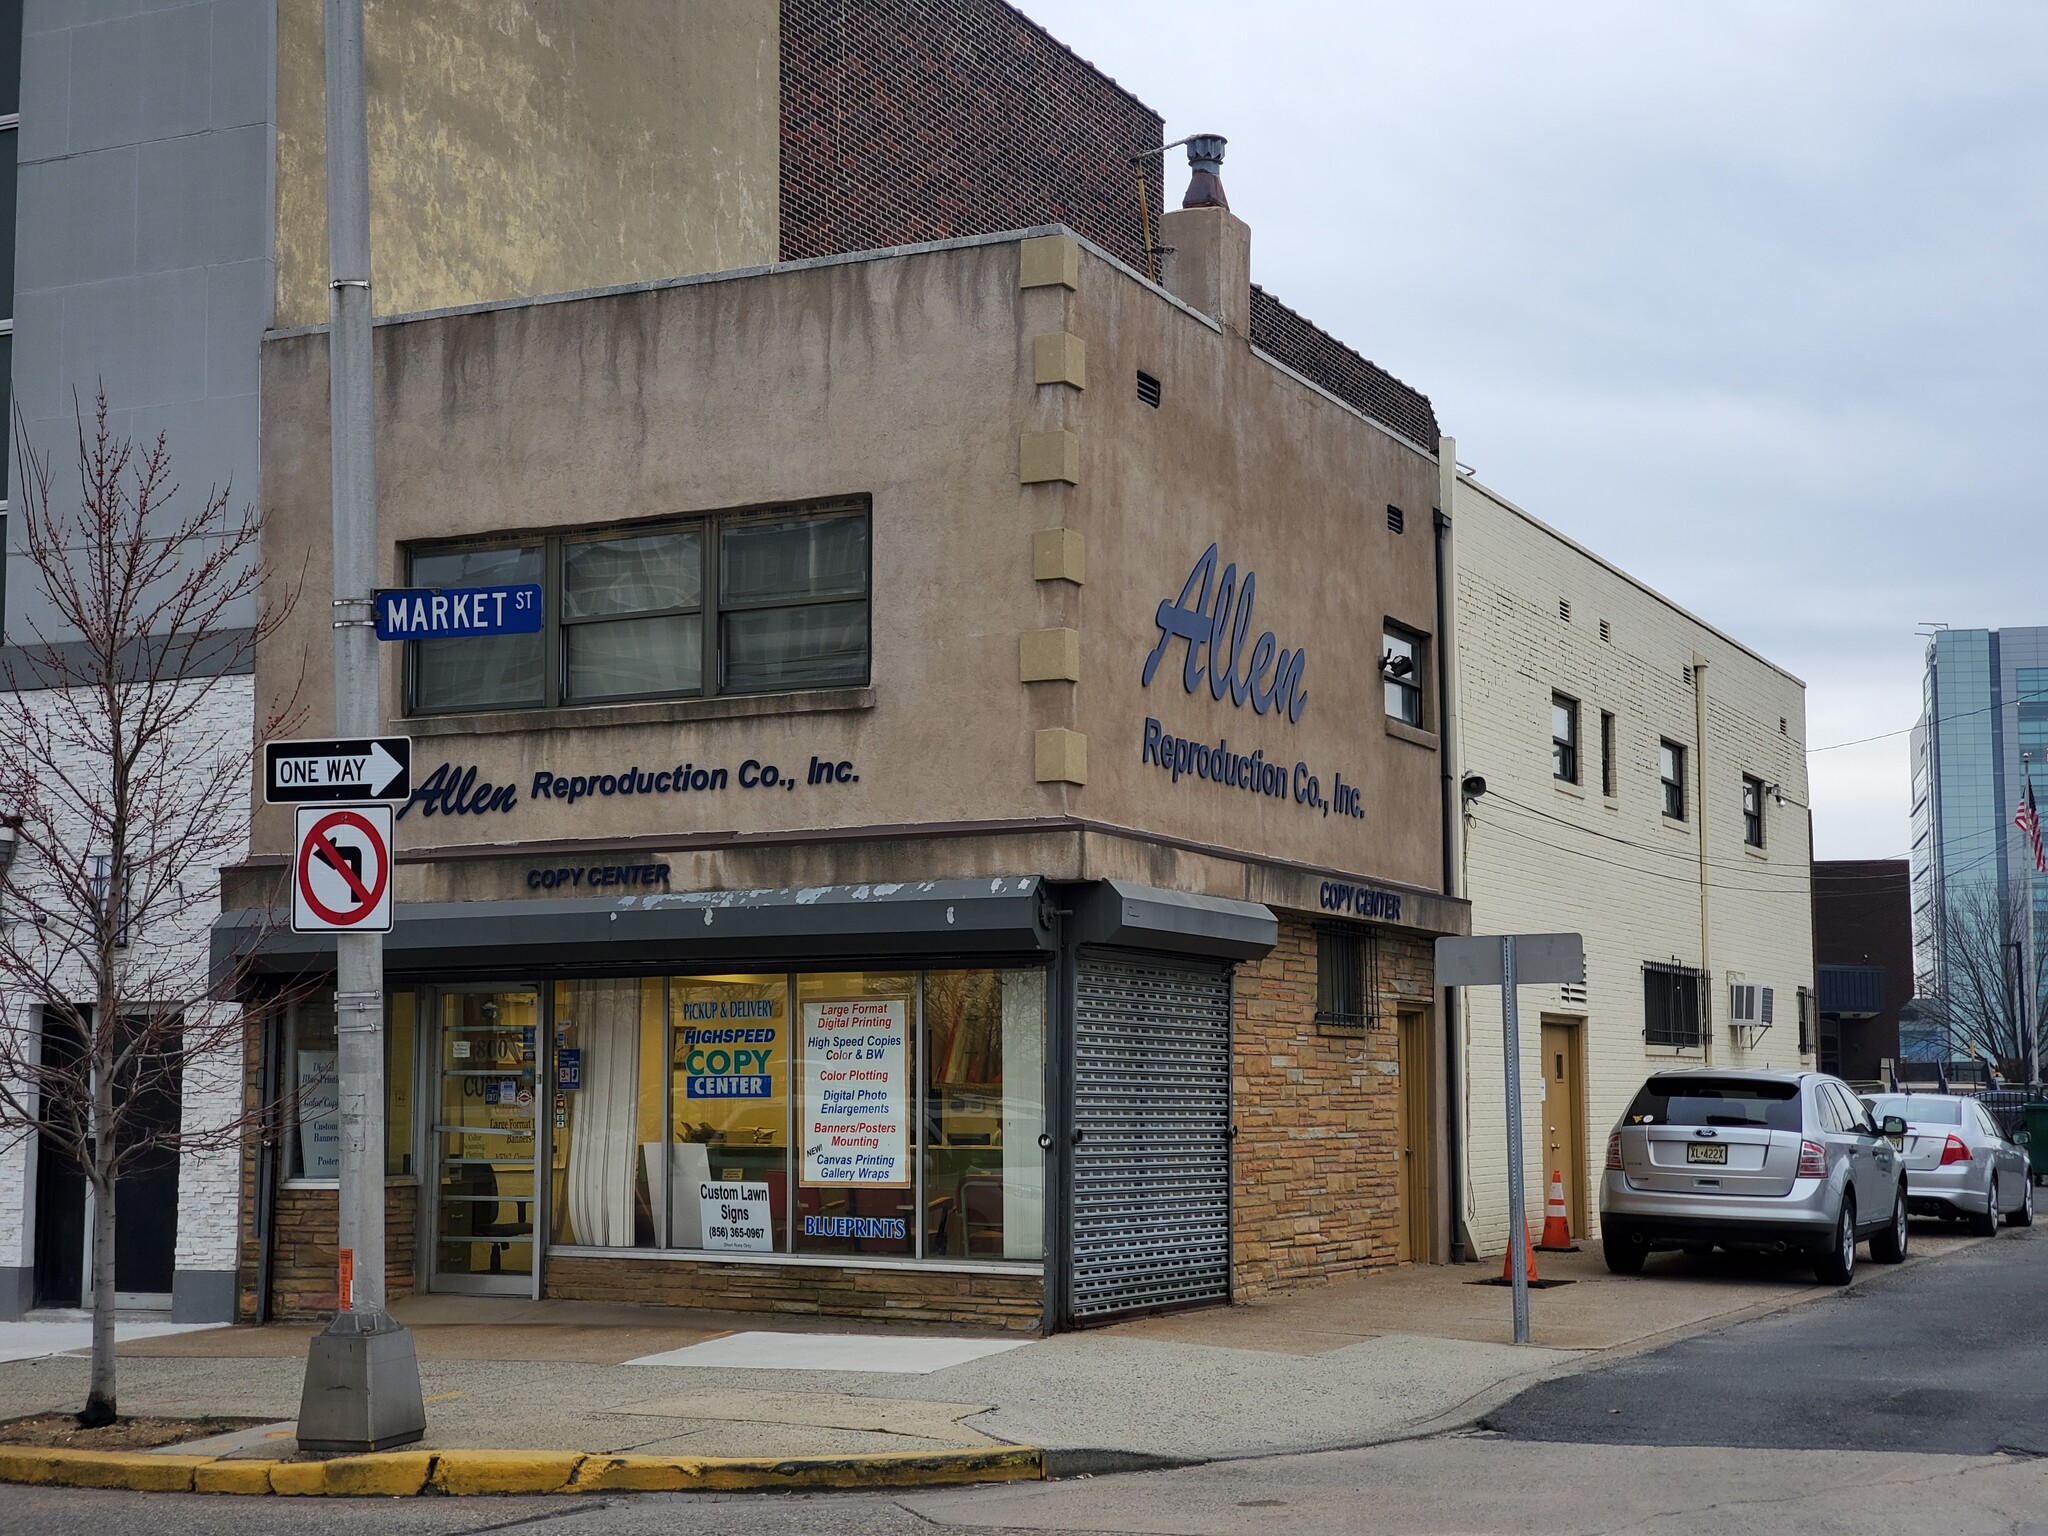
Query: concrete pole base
pixel 362 1388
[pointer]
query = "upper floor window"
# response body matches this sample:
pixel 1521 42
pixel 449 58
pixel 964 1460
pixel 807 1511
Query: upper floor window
pixel 1671 778
pixel 1607 753
pixel 1564 738
pixel 1401 669
pixel 730 603
pixel 1752 811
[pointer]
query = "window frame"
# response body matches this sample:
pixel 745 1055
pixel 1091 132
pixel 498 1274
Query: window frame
pixel 1390 635
pixel 1752 812
pixel 1565 767
pixel 1607 763
pixel 710 526
pixel 1676 981
pixel 1672 784
pixel 1347 964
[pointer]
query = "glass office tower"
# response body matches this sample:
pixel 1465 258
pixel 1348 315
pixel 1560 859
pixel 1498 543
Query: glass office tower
pixel 1983 731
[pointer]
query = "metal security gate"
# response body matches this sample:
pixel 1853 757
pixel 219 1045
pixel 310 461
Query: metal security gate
pixel 1150 1195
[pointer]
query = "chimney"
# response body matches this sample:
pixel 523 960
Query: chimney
pixel 1210 260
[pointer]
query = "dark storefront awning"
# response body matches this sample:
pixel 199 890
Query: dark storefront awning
pixel 1125 915
pixel 927 919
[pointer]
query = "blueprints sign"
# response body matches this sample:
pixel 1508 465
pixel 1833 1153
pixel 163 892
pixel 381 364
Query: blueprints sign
pixel 458 613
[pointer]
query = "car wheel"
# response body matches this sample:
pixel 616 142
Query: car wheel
pixel 1623 1253
pixel 2024 1216
pixel 1836 1266
pixel 1889 1246
pixel 1986 1225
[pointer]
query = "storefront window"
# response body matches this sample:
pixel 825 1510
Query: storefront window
pixel 606 1161
pixel 984 1109
pixel 311 1090
pixel 856 1184
pixel 729 1063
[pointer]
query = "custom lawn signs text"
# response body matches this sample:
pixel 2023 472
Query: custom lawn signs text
pixel 1212 619
pixel 856 1128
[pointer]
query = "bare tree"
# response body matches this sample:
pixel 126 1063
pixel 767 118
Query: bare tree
pixel 1982 1010
pixel 125 769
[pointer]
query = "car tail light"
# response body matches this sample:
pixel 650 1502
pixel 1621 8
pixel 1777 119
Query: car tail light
pixel 1614 1149
pixel 1813 1160
pixel 1953 1151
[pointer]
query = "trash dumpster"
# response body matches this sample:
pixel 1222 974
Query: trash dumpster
pixel 2034 1126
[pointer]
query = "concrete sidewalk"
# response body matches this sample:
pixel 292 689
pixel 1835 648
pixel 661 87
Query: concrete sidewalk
pixel 1353 1363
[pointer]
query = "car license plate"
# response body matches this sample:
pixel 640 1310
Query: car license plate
pixel 1698 1152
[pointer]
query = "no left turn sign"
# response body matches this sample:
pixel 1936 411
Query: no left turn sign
pixel 341 871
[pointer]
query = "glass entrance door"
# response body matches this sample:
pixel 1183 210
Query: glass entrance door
pixel 484 1114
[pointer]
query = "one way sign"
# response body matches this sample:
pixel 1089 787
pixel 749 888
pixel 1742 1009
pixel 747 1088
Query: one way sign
pixel 368 768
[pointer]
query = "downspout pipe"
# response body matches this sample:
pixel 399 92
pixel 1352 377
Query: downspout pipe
pixel 1699 752
pixel 1453 825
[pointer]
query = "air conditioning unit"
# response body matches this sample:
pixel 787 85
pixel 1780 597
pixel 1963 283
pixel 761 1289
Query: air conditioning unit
pixel 1742 1003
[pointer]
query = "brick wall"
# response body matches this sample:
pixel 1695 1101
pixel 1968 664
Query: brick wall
pixel 906 121
pixel 806 1290
pixel 1316 1161
pixel 305 1255
pixel 1863 915
pixel 1317 355
pixel 1548 857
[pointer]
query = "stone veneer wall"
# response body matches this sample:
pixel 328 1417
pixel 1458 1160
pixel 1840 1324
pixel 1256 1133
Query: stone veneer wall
pixel 1315 1167
pixel 807 1290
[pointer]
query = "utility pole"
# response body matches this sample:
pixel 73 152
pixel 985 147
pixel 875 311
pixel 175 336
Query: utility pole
pixel 2030 995
pixel 362 1386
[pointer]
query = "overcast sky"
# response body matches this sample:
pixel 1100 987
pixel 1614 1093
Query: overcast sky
pixel 1745 296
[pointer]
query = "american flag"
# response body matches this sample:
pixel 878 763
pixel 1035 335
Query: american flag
pixel 2028 820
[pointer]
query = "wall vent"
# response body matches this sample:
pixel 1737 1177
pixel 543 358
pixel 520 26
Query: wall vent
pixel 1564 610
pixel 1148 389
pixel 1688 677
pixel 1781 727
pixel 1395 521
pixel 1574 994
pixel 1605 632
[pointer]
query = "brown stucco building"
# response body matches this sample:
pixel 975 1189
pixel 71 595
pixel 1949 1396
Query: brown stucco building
pixel 949 845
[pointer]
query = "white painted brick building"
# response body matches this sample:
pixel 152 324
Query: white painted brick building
pixel 1536 618
pixel 209 1181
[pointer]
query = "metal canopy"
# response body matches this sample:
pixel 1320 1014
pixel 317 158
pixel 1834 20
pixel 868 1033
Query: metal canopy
pixel 1125 915
pixel 935 918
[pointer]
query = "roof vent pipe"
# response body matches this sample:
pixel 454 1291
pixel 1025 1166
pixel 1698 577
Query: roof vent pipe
pixel 1205 160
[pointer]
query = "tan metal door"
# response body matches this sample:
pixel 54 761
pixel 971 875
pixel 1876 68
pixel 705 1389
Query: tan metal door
pixel 1411 1133
pixel 1564 1138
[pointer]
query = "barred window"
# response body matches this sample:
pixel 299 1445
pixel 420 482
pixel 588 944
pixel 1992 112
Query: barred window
pixel 1674 1005
pixel 1346 963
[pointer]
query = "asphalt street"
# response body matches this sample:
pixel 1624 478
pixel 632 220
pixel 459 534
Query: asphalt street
pixel 1911 1403
pixel 1947 1357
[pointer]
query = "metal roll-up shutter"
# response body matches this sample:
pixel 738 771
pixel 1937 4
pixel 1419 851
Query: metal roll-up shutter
pixel 1151 1169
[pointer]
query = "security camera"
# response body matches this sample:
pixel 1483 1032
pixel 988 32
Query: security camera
pixel 1396 666
pixel 1473 786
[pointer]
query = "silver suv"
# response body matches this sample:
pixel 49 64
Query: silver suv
pixel 1774 1160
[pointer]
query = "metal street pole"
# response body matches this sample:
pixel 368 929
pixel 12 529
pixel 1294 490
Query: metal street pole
pixel 362 1387
pixel 2030 976
pixel 1518 1224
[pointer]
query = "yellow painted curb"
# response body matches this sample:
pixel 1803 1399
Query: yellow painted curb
pixel 233 1477
pixel 136 1470
pixel 401 1473
pixel 505 1471
pixel 893 1469
pixel 388 1473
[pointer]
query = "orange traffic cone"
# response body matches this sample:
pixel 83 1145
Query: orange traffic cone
pixel 1557 1225
pixel 1507 1263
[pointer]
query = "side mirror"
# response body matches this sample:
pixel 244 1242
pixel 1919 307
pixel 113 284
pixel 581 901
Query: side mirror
pixel 1894 1125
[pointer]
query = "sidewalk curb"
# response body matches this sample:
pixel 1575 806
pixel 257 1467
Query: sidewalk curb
pixel 466 1472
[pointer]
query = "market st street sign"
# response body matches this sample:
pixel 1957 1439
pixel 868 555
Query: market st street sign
pixel 443 613
pixel 310 772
